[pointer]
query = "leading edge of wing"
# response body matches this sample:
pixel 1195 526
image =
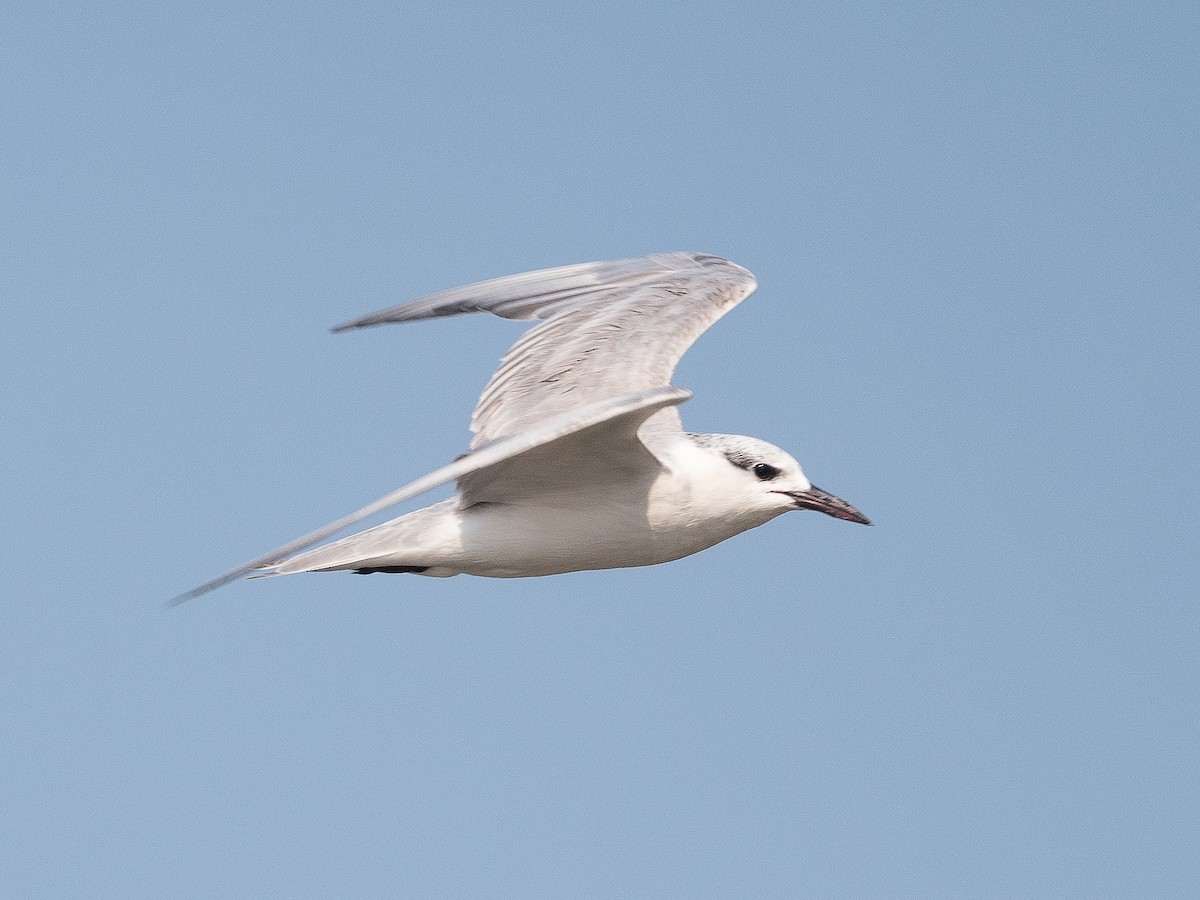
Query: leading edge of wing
pixel 536 294
pixel 637 407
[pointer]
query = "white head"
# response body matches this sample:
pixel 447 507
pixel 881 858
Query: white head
pixel 761 480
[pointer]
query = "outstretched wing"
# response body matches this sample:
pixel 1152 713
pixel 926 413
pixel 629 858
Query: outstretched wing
pixel 608 329
pixel 611 424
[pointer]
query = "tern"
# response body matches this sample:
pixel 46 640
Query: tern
pixel 579 458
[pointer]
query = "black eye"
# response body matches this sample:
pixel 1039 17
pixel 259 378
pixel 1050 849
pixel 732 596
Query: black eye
pixel 764 471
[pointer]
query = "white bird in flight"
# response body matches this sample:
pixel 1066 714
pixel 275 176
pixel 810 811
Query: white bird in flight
pixel 579 459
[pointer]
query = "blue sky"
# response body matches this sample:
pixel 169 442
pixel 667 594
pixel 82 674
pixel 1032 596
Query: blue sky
pixel 975 229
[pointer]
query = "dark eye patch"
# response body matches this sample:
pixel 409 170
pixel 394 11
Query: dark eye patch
pixel 741 460
pixel 741 455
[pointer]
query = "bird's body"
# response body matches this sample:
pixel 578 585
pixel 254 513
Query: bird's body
pixel 687 507
pixel 579 460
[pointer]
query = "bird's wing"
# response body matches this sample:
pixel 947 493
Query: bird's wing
pixel 607 329
pixel 609 423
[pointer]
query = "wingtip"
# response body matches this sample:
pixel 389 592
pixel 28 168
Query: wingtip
pixel 364 322
pixel 209 586
pixel 177 600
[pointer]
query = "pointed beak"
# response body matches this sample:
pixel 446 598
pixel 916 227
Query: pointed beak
pixel 815 498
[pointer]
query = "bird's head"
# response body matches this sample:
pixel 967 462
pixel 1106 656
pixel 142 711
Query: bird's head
pixel 759 476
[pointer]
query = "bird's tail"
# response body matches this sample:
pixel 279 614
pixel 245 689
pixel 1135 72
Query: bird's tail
pixel 399 545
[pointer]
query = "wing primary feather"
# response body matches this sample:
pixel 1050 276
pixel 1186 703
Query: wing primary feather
pixel 528 294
